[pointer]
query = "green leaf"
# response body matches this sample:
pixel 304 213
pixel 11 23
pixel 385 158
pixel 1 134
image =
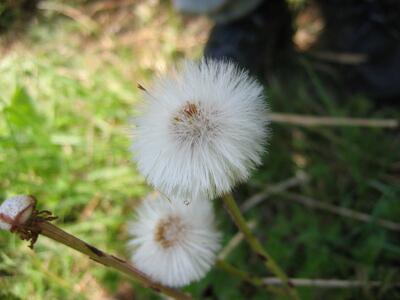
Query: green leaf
pixel 21 112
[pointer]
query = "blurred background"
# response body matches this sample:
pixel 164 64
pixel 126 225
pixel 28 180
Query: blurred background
pixel 68 75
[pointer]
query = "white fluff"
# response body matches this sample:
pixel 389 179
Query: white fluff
pixel 173 243
pixel 15 211
pixel 202 130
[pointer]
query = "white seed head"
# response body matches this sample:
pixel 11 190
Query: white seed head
pixel 175 244
pixel 202 130
pixel 15 211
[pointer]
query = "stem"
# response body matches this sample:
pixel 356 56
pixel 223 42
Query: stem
pixel 328 283
pixel 247 277
pixel 53 232
pixel 234 242
pixel 238 219
pixel 282 186
pixel 340 211
pixel 306 120
pixel 271 283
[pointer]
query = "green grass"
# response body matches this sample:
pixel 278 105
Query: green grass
pixel 66 99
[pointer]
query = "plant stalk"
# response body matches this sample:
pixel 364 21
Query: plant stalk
pixel 310 121
pixel 40 226
pixel 256 246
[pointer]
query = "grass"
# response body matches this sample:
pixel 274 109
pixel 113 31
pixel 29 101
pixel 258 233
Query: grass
pixel 66 96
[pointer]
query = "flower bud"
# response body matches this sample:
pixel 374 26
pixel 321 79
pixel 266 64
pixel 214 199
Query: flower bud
pixel 15 211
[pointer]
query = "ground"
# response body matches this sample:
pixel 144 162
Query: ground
pixel 68 92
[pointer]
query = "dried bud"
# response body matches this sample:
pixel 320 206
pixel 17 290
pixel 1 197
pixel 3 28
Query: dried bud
pixel 15 211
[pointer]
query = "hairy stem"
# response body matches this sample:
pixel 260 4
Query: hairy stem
pixel 256 246
pixel 53 232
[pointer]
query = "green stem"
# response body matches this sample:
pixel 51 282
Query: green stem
pixel 247 277
pixel 256 246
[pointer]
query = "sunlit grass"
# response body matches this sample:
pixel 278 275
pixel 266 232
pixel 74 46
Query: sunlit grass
pixel 66 98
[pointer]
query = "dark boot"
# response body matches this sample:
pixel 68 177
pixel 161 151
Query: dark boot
pixel 370 28
pixel 253 41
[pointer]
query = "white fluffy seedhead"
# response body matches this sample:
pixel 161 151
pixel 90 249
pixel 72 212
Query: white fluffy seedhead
pixel 202 130
pixel 173 243
pixel 15 211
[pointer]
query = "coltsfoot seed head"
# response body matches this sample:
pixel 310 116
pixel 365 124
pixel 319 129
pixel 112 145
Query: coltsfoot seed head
pixel 202 130
pixel 174 243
